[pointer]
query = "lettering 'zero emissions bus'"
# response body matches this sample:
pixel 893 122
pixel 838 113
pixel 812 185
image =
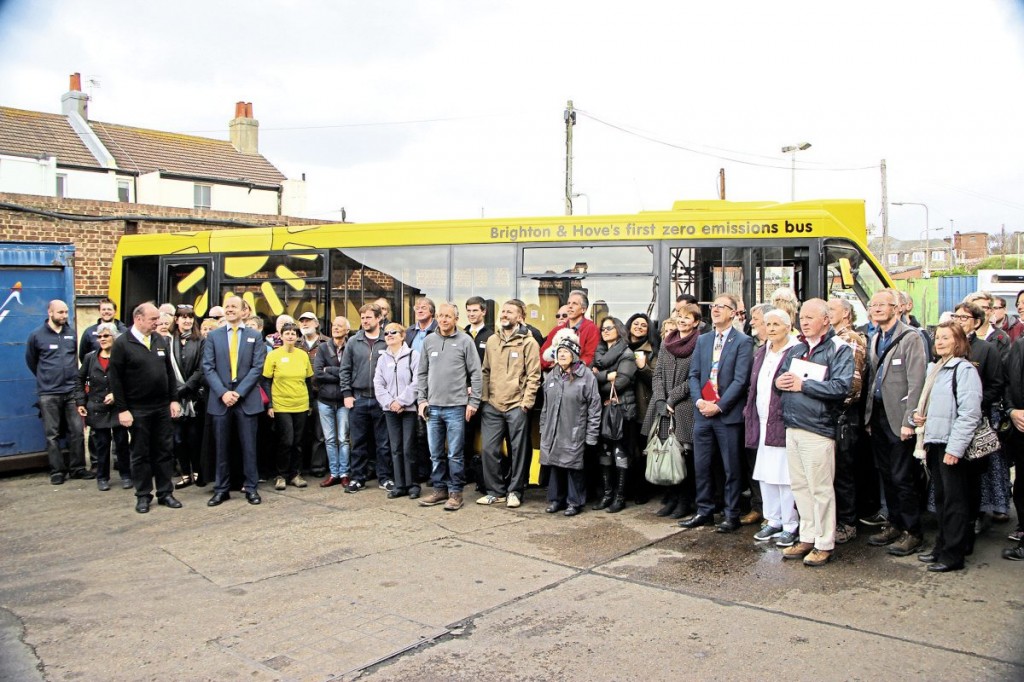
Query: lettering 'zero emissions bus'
pixel 625 263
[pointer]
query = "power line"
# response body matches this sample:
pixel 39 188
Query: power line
pixel 685 148
pixel 417 121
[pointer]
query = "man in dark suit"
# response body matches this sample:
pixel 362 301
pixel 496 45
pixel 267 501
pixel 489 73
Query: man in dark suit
pixel 232 364
pixel 719 376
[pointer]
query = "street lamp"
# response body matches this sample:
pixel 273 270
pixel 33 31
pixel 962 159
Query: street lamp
pixel 927 233
pixel 793 149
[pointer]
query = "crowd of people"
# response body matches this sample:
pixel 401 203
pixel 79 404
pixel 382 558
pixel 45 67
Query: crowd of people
pixel 795 422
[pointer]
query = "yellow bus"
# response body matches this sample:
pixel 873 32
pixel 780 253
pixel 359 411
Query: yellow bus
pixel 626 263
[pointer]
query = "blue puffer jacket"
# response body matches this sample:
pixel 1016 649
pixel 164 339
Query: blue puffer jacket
pixel 817 405
pixel 952 421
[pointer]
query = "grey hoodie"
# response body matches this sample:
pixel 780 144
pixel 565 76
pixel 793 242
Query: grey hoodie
pixel 448 364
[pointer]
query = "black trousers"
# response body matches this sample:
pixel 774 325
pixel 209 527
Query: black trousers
pixel 188 444
pixel 845 482
pixel 503 475
pixel 102 438
pixel 899 471
pixel 957 493
pixel 289 427
pixel 152 447
pixel 60 410
pixel 567 486
pixel 402 436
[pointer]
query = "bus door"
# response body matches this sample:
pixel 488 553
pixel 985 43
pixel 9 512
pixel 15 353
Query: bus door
pixel 752 271
pixel 187 280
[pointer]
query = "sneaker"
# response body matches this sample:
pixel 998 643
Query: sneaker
pixel 889 535
pixel 298 481
pixel 127 483
pixel 437 496
pixel 798 551
pixel 279 483
pixel 845 533
pixel 906 545
pixel 1014 553
pixel 786 539
pixel 454 502
pixel 354 487
pixel 767 533
pixel 387 485
pixel 103 484
pixel 490 499
pixel 817 557
pixel 513 501
pixel 1016 536
pixel 57 479
pixel 875 520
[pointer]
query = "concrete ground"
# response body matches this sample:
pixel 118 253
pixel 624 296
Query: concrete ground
pixel 315 584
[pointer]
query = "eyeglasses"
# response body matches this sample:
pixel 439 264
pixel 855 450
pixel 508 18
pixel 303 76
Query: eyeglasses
pixel 392 333
pixel 720 306
pixel 561 316
pixel 999 307
pixel 741 313
pixel 104 336
pixel 962 318
pixel 607 329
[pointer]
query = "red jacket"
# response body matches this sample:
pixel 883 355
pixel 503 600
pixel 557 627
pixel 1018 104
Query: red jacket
pixel 589 336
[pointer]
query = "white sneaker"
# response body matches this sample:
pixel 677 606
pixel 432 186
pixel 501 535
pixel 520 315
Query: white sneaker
pixel 490 499
pixel 513 501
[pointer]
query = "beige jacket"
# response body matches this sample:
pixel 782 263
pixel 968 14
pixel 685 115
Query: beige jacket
pixel 511 370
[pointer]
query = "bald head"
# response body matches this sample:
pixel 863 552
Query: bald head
pixel 145 318
pixel 57 312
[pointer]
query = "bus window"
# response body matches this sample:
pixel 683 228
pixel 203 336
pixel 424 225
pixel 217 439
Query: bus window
pixel 618 280
pixel 399 274
pixel 705 272
pixel 776 267
pixel 485 270
pixel 289 283
pixel 843 258
pixel 188 281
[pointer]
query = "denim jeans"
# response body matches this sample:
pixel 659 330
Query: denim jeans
pixel 55 408
pixel 366 424
pixel 334 423
pixel 448 466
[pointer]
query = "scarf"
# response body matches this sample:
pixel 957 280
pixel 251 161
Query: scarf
pixel 922 406
pixel 678 346
pixel 611 355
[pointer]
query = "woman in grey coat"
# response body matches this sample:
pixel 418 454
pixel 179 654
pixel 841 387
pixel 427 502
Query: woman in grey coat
pixel 570 420
pixel 946 418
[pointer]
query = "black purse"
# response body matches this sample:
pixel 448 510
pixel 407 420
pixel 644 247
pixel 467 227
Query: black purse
pixel 613 421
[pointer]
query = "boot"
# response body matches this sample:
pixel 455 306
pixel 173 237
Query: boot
pixel 668 504
pixel 606 481
pixel 683 508
pixel 619 503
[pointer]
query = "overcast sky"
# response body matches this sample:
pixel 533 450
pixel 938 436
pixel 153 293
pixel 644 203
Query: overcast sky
pixel 410 109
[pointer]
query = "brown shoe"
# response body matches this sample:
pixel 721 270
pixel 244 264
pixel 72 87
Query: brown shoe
pixel 818 557
pixel 906 545
pixel 454 502
pixel 889 535
pixel 438 496
pixel 753 517
pixel 798 551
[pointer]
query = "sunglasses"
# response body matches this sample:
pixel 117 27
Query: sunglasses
pixel 607 329
pixel 392 333
pixel 561 316
pixel 104 336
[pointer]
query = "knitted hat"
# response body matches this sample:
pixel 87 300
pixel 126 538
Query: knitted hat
pixel 571 343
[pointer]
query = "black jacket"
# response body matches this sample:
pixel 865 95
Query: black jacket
pixel 89 341
pixel 986 357
pixel 326 370
pixel 93 387
pixel 189 357
pixel 51 358
pixel 481 339
pixel 141 378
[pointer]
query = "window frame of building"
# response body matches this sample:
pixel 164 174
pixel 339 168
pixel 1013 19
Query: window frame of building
pixel 61 189
pixel 201 191
pixel 124 191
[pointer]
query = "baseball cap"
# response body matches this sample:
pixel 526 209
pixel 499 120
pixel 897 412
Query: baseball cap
pixel 307 316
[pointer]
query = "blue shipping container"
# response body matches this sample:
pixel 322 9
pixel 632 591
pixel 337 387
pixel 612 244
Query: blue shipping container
pixel 953 289
pixel 31 275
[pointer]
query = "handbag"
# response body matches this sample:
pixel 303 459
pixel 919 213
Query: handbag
pixel 984 442
pixel 665 463
pixel 612 418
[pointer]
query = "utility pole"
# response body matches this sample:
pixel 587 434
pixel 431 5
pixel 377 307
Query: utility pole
pixel 885 220
pixel 570 121
pixel 721 184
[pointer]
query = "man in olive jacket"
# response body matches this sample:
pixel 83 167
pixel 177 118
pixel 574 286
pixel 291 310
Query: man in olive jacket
pixel 511 377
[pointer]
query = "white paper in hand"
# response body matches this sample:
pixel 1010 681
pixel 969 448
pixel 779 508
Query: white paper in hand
pixel 807 370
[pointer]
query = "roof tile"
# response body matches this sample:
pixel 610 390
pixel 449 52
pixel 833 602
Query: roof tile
pixel 35 133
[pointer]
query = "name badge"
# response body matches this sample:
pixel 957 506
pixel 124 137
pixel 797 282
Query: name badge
pixel 433 354
pixel 285 359
pixel 551 385
pixel 70 338
pixel 515 355
pixel 160 353
pixel 250 340
pixel 380 351
pixel 54 346
pixel 483 344
pixel 897 361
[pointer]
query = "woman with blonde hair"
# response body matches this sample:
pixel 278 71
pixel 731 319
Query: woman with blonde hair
pixel 394 386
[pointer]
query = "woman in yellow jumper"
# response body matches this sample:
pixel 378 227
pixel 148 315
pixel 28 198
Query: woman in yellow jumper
pixel 286 379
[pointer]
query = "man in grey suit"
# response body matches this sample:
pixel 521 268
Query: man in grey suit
pixel 232 364
pixel 896 373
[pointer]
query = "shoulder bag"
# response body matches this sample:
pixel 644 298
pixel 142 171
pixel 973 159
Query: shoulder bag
pixel 985 440
pixel 665 463
pixel 612 418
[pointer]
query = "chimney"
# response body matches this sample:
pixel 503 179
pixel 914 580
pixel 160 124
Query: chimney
pixel 75 100
pixel 244 129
